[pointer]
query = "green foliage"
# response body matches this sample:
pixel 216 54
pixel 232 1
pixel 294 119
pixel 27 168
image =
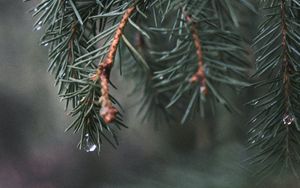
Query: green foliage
pixel 149 101
pixel 199 53
pixel 79 34
pixel 275 129
pixel 224 57
pixel 72 30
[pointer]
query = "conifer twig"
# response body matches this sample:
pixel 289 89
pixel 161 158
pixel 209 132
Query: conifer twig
pixel 286 76
pixel 200 74
pixel 108 111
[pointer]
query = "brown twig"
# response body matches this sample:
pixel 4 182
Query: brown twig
pixel 199 76
pixel 108 112
pixel 287 117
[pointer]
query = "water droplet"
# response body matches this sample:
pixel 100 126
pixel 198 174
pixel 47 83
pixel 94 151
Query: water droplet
pixel 253 131
pixel 202 89
pixel 253 120
pixel 161 77
pixel 35 10
pixel 38 28
pixel 288 119
pixel 253 141
pixel 262 136
pixel 46 44
pixel 88 145
pixel 256 102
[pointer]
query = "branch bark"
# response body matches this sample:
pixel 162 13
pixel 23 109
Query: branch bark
pixel 108 112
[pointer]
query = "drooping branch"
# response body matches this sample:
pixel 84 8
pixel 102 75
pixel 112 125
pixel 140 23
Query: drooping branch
pixel 275 127
pixel 108 111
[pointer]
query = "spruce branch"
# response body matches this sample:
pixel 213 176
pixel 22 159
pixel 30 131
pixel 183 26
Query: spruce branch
pixel 275 128
pixel 204 52
pixel 200 38
pixel 72 32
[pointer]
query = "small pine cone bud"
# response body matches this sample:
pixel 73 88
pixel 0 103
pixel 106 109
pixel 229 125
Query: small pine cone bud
pixel 108 113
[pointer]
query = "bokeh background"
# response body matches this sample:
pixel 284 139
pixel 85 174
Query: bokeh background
pixel 35 152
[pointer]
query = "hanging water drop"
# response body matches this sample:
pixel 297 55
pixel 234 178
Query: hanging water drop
pixel 253 141
pixel 202 89
pixel 256 102
pixel 288 119
pixel 46 44
pixel 88 145
pixel 161 77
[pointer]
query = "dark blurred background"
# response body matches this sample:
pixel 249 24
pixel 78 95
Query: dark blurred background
pixel 36 153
